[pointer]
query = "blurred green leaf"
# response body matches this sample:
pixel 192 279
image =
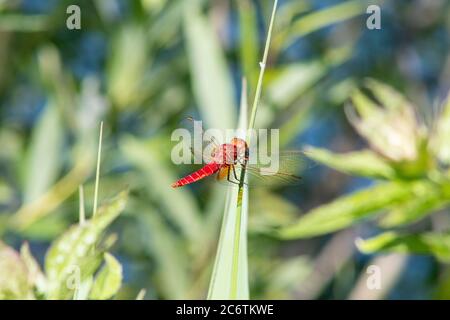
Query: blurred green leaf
pixel 319 19
pixel 35 275
pixel 436 244
pixel 392 128
pixel 109 279
pixel 14 282
pixel 58 82
pixel 211 80
pixel 125 74
pixel 387 96
pixel 429 197
pixel 169 250
pixel 287 276
pixel 23 23
pixel 346 210
pixel 44 154
pixel 269 210
pixel 443 287
pixel 361 163
pixel 75 256
pixel 293 81
pixel 441 136
pixel 180 204
pixel 249 44
pixel 32 212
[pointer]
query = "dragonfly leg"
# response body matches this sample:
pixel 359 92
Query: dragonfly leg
pixel 234 173
pixel 229 178
pixel 235 177
pixel 214 140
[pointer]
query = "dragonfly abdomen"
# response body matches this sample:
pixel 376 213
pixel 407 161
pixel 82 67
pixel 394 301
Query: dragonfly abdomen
pixel 203 172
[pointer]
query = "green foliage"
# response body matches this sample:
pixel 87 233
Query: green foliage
pixel 141 71
pixel 208 66
pixel 360 163
pixel 14 278
pixel 406 156
pixel 229 279
pixel 70 263
pixel 436 244
pixel 78 252
pixel 108 280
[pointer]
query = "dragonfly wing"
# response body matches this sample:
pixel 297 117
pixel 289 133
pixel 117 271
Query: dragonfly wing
pixel 201 144
pixel 277 169
pixel 266 177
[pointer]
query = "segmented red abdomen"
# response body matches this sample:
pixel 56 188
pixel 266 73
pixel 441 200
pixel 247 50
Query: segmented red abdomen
pixel 207 170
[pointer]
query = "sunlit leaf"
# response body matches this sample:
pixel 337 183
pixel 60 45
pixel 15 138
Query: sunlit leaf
pixel 441 135
pixel 437 244
pixel 294 80
pixel 428 198
pixel 76 255
pixel 108 280
pixel 14 282
pixel 346 211
pixel 389 124
pixel 361 163
pixel 44 155
pixel 35 275
pixel 321 18
pixel 125 74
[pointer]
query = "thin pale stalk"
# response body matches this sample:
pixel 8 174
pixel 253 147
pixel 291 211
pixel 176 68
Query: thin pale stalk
pixel 97 173
pixel 262 66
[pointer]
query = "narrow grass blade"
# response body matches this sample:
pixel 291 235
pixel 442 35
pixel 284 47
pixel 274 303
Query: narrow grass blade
pixel 229 279
pixel 97 172
pixel 230 274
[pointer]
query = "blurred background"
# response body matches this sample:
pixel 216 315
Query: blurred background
pixel 142 66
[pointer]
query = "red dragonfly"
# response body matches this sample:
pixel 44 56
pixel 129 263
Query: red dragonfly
pixel 226 160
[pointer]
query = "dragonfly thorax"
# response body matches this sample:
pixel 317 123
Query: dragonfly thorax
pixel 231 153
pixel 225 154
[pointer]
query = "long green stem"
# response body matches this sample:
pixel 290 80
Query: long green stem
pixel 237 235
pixel 262 65
pixel 97 173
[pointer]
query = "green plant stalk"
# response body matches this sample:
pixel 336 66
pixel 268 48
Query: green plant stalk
pixel 97 173
pixel 237 235
pixel 262 65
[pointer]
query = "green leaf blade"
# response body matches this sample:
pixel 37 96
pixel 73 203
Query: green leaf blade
pixel 345 211
pixel 360 163
pixel 109 279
